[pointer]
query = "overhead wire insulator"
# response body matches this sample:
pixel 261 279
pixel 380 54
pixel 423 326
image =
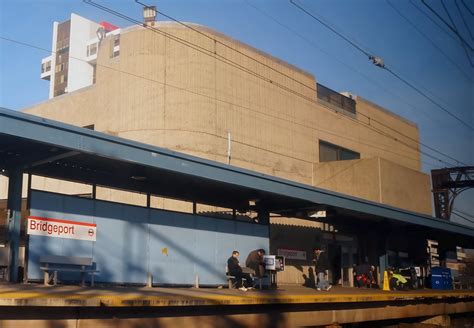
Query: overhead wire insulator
pixel 377 61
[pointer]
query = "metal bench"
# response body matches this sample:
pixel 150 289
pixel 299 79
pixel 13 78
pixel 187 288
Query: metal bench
pixel 54 263
pixel 232 280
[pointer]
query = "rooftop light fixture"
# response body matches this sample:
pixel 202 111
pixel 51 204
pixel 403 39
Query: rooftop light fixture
pixel 149 14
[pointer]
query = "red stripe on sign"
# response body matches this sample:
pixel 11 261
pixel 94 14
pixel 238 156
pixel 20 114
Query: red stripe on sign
pixel 63 221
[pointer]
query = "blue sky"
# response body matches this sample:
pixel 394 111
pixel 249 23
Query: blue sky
pixel 279 28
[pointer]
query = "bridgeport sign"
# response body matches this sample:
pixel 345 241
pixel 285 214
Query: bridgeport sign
pixel 58 228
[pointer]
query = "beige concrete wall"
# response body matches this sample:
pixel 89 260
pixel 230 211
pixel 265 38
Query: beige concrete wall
pixel 358 177
pixel 401 186
pixel 377 180
pixel 164 93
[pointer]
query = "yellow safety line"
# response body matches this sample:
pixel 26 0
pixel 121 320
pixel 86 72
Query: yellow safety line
pixel 133 299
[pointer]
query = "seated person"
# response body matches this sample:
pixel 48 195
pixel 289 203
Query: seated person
pixel 234 269
pixel 363 278
pixel 255 262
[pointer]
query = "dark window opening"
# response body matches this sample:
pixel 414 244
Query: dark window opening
pixel 90 127
pixel 115 45
pixel 335 98
pixel 329 152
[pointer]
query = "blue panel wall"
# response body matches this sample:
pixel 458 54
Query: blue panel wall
pixel 58 207
pixel 134 241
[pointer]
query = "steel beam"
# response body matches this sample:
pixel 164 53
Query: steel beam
pixel 15 182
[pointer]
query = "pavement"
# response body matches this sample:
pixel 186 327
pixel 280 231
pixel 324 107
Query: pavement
pixel 114 296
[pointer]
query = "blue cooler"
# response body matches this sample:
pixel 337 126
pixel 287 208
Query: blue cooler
pixel 441 278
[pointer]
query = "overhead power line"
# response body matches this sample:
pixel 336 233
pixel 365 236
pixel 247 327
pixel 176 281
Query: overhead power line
pixel 463 20
pixel 462 216
pixel 471 216
pixel 468 77
pixel 467 7
pixel 466 51
pixel 437 159
pixel 453 29
pixel 379 62
pixel 332 29
pixel 310 87
pixel 440 161
pixel 224 59
pixel 333 56
pixel 435 22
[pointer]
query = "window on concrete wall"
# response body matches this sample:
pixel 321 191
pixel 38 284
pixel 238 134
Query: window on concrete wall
pixel 92 49
pixel 336 99
pixel 115 46
pixel 329 152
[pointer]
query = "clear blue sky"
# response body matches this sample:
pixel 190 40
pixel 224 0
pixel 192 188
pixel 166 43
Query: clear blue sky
pixel 279 28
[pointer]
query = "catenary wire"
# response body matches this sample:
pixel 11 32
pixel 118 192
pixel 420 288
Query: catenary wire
pixel 332 56
pixel 463 20
pixel 227 46
pixel 332 29
pixel 461 216
pixel 311 88
pixel 206 52
pixel 462 212
pixel 396 75
pixel 234 64
pixel 434 22
pixel 467 7
pixel 430 40
pixel 244 107
pixel 459 35
pixel 453 29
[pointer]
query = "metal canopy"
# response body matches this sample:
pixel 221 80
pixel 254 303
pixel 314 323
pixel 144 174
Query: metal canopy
pixel 49 148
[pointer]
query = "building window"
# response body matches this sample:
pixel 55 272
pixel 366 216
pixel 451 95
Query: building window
pixel 336 99
pixel 60 67
pixel 45 67
pixel 329 152
pixel 91 49
pixel 115 51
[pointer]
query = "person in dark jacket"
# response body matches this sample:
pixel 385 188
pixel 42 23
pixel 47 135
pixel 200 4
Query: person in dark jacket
pixel 255 262
pixel 321 265
pixel 234 269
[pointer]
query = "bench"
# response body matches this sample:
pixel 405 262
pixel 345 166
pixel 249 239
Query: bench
pixel 54 264
pixel 231 280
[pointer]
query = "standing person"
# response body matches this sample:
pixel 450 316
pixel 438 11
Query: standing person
pixel 255 262
pixel 234 269
pixel 321 264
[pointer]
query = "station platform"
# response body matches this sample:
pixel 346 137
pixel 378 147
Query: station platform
pixel 75 296
pixel 38 306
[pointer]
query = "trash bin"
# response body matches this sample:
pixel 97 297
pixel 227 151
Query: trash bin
pixel 441 278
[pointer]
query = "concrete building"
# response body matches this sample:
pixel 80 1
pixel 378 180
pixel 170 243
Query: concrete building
pixel 211 96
